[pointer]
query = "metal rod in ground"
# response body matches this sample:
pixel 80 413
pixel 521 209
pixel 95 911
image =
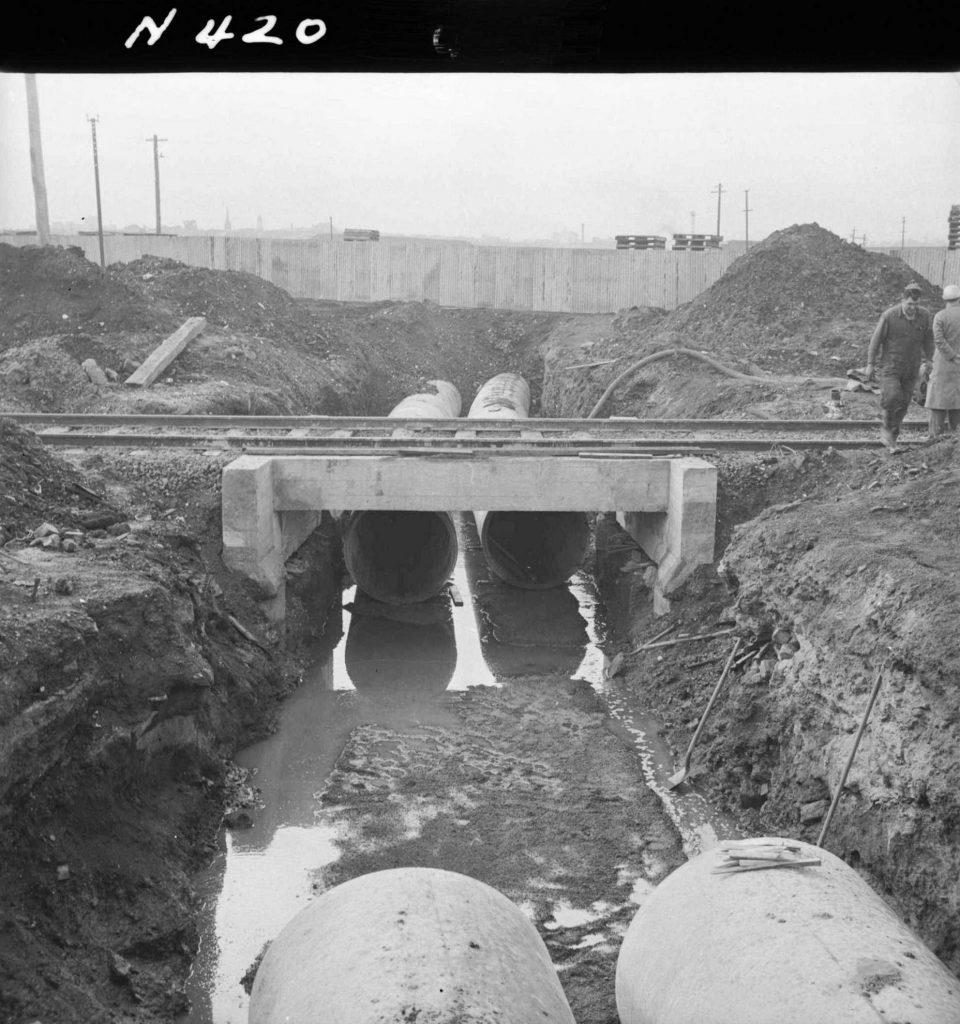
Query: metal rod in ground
pixel 853 752
pixel 681 640
pixel 676 779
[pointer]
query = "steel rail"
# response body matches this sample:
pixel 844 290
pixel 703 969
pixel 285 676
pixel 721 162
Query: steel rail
pixel 386 424
pixel 463 446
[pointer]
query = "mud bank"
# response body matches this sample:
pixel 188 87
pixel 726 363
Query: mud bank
pixel 126 685
pixel 854 559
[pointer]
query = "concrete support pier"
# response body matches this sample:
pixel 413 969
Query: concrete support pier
pixel 683 535
pixel 272 503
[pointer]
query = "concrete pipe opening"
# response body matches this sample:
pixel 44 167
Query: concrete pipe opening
pixel 533 550
pixel 400 557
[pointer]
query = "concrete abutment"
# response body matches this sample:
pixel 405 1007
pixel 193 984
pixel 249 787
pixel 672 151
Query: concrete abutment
pixel 271 504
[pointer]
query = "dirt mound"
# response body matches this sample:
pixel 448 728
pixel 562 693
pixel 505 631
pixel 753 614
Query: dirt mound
pixel 261 352
pixel 802 303
pixel 803 300
pixel 36 485
pixel 233 300
pixel 49 289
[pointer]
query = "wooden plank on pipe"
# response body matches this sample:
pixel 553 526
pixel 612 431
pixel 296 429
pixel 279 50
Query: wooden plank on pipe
pixel 165 353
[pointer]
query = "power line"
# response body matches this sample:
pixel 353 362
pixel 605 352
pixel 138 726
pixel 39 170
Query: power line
pixel 36 162
pixel 96 178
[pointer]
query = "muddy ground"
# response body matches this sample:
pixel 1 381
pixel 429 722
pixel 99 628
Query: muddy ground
pixel 133 665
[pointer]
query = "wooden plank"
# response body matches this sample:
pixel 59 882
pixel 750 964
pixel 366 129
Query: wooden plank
pixel 165 353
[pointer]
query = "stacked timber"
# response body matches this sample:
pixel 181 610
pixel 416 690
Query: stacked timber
pixel 360 235
pixel 953 233
pixel 696 243
pixel 641 241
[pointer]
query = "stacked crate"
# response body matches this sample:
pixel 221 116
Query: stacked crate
pixel 641 241
pixel 953 234
pixel 696 243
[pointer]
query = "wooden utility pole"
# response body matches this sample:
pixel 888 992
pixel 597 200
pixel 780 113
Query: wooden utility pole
pixel 96 178
pixel 719 191
pixel 746 215
pixel 36 162
pixel 693 223
pixel 156 176
pixel 903 234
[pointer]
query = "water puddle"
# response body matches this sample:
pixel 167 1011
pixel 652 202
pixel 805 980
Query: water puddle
pixel 375 673
pixel 701 825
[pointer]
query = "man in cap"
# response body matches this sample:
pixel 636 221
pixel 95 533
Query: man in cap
pixel 943 390
pixel 901 342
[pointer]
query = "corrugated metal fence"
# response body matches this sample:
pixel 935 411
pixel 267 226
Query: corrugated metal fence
pixel 497 277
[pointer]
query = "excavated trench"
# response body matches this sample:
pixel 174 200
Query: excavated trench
pixel 138 674
pixel 395 759
pixel 397 671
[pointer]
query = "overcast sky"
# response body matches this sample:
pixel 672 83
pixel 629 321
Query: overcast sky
pixel 520 156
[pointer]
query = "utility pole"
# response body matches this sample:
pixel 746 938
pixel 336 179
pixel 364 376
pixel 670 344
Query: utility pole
pixel 331 229
pixel 96 177
pixel 903 234
pixel 36 162
pixel 156 176
pixel 719 191
pixel 746 215
pixel 693 223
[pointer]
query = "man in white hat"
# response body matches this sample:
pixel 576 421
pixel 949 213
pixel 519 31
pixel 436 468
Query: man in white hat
pixel 902 340
pixel 943 390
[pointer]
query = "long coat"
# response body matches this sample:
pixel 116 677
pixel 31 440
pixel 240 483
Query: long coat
pixel 943 390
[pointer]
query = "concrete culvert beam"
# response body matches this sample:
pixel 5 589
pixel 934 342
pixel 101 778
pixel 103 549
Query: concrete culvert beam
pixel 409 944
pixel 533 550
pixel 791 945
pixel 405 557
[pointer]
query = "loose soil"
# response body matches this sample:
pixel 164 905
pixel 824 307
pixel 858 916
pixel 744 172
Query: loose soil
pixel 116 765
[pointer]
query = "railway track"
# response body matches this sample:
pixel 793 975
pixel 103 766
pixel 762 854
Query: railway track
pixel 363 435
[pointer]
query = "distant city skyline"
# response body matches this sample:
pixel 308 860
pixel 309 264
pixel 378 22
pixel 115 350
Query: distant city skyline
pixel 505 156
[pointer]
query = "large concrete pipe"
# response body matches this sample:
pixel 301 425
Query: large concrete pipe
pixel 404 557
pixel 794 945
pixel 533 550
pixel 409 944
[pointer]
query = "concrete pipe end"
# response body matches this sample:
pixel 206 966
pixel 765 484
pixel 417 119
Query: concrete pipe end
pixel 399 557
pixel 534 550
